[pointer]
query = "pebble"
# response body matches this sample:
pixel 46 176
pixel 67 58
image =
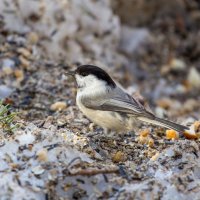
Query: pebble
pixel 42 155
pixel 177 64
pixel 194 131
pixel 19 74
pixel 172 134
pixel 145 132
pixel 174 65
pixel 26 53
pixel 151 142
pixel 190 105
pixel 58 106
pixel 197 126
pixel 142 140
pixel 25 63
pixel 155 157
pixel 160 112
pixel 7 70
pixel 38 170
pixel 194 77
pixel 8 63
pixel 33 37
pixel 5 91
pixel 118 157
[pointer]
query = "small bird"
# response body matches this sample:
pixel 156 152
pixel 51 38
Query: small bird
pixel 107 105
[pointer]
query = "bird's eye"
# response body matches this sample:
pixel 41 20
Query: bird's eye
pixel 83 74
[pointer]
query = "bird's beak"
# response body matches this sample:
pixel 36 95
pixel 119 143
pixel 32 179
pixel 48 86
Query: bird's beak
pixel 70 73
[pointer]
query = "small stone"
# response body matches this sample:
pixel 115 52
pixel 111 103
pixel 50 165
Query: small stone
pixel 142 139
pixel 8 63
pixel 19 74
pixel 25 63
pixel 60 105
pixel 193 132
pixel 42 155
pixel 91 126
pixel 2 141
pixel 197 126
pixel 38 170
pixel 5 91
pixel 33 37
pixel 164 103
pixel 190 135
pixel 14 165
pixel 177 64
pixel 155 157
pixel 145 132
pixel 194 77
pixel 190 105
pixel 172 134
pixel 160 112
pixel 26 53
pixel 7 70
pixel 118 157
pixel 7 66
pixel 174 65
pixel 151 142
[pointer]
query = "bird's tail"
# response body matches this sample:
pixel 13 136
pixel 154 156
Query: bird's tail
pixel 164 123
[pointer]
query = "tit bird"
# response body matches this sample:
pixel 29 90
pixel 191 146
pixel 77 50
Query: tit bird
pixel 109 106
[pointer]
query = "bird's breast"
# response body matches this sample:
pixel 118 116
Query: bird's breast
pixel 106 119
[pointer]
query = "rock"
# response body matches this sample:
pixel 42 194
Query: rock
pixel 7 70
pixel 38 170
pixel 160 112
pixel 42 155
pixel 145 132
pixel 172 134
pixel 26 53
pixel 60 105
pixel 19 74
pixel 7 66
pixel 5 91
pixel 142 140
pixel 190 105
pixel 33 37
pixel 151 142
pixel 118 157
pixel 197 126
pixel 194 77
pixel 25 63
pixel 155 157
pixel 194 131
pixel 8 63
pixel 26 138
pixel 177 64
pixel 164 103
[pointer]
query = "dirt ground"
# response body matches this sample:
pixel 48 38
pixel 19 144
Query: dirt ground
pixel 57 153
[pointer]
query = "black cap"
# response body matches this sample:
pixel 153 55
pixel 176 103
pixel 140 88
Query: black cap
pixel 85 70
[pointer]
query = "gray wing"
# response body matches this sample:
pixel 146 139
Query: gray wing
pixel 117 101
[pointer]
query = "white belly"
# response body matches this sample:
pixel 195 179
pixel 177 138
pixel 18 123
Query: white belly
pixel 107 119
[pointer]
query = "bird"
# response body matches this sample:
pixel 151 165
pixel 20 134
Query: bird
pixel 106 104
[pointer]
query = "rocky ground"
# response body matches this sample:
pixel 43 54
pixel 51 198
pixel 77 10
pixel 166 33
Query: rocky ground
pixel 56 152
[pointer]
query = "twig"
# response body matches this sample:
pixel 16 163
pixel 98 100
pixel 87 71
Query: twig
pixel 92 172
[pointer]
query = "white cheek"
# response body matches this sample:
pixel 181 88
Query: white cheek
pixel 90 81
pixel 80 81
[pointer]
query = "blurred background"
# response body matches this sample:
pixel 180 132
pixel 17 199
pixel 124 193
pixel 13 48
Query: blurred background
pixel 151 47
